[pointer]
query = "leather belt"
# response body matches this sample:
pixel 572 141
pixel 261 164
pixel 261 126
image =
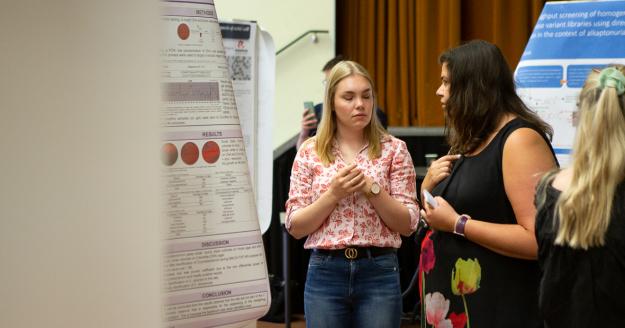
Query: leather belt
pixel 354 253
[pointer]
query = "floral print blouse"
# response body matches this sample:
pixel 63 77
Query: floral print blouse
pixel 354 222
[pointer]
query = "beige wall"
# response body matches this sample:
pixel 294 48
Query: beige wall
pixel 79 204
pixel 298 69
pixel 79 201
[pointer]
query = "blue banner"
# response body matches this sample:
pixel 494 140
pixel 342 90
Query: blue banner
pixel 576 74
pixel 539 76
pixel 578 30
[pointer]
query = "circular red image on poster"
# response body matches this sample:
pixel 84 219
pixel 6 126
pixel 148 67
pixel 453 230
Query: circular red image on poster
pixel 189 153
pixel 211 152
pixel 169 154
pixel 183 31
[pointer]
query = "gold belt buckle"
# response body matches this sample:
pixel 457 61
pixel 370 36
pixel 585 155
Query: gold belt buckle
pixel 351 253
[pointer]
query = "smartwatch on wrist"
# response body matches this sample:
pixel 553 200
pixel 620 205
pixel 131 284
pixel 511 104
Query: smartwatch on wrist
pixel 460 223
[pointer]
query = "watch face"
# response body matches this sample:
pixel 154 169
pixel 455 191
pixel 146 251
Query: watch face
pixel 375 188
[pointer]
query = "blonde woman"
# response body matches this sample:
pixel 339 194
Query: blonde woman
pixel 353 193
pixel 580 224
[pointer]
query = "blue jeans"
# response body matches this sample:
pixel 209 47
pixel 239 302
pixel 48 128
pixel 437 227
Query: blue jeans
pixel 360 293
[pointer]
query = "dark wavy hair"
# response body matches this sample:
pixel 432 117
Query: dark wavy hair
pixel 482 91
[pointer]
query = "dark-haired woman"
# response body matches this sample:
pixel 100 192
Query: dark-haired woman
pixel 478 263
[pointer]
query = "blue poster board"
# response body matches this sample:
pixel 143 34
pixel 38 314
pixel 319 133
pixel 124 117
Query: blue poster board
pixel 569 39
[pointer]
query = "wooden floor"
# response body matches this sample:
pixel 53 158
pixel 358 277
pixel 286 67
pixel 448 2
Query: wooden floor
pixel 298 321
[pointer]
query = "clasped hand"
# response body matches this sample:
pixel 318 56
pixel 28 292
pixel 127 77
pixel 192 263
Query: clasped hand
pixel 348 180
pixel 439 170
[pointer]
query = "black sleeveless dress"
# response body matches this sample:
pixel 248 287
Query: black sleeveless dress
pixel 581 288
pixel 480 286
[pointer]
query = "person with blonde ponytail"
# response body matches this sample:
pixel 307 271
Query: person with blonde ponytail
pixel 353 193
pixel 580 222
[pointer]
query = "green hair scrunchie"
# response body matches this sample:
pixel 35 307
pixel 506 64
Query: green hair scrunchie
pixel 612 78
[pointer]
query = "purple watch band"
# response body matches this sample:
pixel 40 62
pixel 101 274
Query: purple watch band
pixel 460 223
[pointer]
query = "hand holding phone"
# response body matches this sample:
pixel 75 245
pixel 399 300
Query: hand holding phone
pixel 310 107
pixel 309 123
pixel 428 198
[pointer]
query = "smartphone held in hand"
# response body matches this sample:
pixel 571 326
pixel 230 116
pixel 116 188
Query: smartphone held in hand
pixel 310 107
pixel 428 198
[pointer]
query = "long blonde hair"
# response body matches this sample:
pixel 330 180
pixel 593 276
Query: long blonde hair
pixel 585 207
pixel 326 132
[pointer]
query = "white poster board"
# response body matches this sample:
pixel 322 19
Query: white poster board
pixel 215 272
pixel 250 53
pixel 569 39
pixel 80 238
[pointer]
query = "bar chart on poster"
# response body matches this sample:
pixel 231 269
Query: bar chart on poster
pixel 214 264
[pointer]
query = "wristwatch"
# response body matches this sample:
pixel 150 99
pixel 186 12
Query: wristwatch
pixel 460 223
pixel 375 189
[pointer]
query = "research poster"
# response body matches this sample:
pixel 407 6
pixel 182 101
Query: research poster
pixel 250 54
pixel 569 39
pixel 214 264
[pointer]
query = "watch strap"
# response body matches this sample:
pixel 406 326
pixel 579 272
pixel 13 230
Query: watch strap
pixel 460 224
